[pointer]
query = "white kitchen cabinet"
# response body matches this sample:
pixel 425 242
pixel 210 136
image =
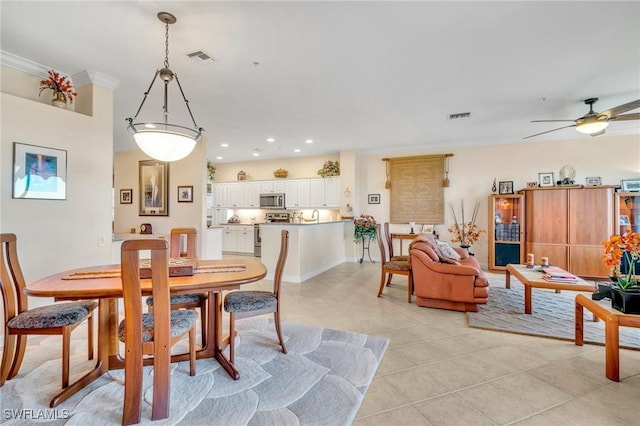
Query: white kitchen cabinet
pixel 237 238
pixel 251 194
pixel 219 216
pixel 245 239
pixel 297 193
pixel 219 194
pixel 273 185
pixel 325 192
pixel 213 243
pixel 235 194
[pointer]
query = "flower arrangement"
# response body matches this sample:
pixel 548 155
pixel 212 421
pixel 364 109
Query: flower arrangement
pixel 617 246
pixel 59 85
pixel 211 170
pixel 330 168
pixel 466 233
pixel 365 226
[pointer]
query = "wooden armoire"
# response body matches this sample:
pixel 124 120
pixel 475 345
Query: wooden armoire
pixel 568 225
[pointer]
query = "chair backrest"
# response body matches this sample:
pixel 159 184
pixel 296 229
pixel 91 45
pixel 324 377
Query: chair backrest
pixel 387 236
pixel 382 245
pixel 176 242
pixel 282 258
pixel 132 294
pixel 11 279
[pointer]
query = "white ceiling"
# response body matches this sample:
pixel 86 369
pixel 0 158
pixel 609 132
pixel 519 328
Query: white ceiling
pixel 371 76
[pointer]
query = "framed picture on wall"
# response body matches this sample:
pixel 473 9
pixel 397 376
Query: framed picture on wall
pixel 154 188
pixel 126 196
pixel 185 194
pixel 374 198
pixel 39 172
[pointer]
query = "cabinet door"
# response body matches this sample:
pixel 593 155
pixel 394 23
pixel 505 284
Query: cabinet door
pixel 245 239
pixel 332 192
pixel 546 216
pixel 587 262
pixel 251 194
pixel 219 194
pixel 627 217
pixel 590 216
pixel 291 194
pixel 234 194
pixel 317 192
pixel 557 254
pixel 304 193
pixel 229 239
pixel 278 185
pixel 266 186
pixel 506 230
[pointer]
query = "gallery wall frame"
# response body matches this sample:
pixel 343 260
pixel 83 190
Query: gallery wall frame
pixel 39 172
pixel 185 194
pixel 153 186
pixel 126 196
pixel 374 199
pixel 545 179
pixel 505 187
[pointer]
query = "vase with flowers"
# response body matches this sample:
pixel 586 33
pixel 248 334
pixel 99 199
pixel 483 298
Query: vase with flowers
pixel 465 232
pixel 365 227
pixel 622 255
pixel 60 86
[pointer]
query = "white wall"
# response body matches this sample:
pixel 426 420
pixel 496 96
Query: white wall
pixel 55 235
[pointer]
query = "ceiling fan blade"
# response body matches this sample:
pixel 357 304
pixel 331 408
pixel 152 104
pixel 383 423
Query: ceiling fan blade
pixel 549 131
pixel 601 132
pixel 611 113
pixel 548 121
pixel 624 117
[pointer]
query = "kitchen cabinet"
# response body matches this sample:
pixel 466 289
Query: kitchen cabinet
pixel 274 185
pixel 237 238
pixel 297 193
pixel 235 195
pixel 506 230
pixel 568 225
pixel 251 194
pixel 219 191
pixel 627 217
pixel 325 192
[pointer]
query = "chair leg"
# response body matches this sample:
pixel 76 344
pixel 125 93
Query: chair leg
pixel 8 355
pixel 90 336
pixel 132 387
pixel 232 337
pixel 192 351
pixel 381 284
pixel 66 348
pixel 204 307
pixel 409 288
pixel 389 279
pixel 21 346
pixel 276 314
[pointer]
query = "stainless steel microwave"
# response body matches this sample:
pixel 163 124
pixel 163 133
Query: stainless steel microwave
pixel 273 200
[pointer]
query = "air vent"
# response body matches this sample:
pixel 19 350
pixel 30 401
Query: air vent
pixel 459 115
pixel 200 56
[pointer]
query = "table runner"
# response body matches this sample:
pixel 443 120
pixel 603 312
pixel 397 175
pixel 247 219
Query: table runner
pixel 115 273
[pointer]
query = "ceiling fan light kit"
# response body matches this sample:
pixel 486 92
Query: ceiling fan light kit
pixel 593 123
pixel 164 141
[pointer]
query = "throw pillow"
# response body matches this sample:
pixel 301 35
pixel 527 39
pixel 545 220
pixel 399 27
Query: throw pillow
pixel 447 260
pixel 447 252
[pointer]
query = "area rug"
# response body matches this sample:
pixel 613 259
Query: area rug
pixel 321 381
pixel 553 316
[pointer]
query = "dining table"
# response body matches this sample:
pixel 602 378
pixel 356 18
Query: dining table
pixel 104 283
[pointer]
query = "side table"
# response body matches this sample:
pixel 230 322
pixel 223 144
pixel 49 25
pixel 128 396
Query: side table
pixel 612 320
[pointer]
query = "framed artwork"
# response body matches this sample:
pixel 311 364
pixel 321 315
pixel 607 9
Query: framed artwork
pixel 39 172
pixel 154 188
pixel 505 187
pixel 532 184
pixel 545 179
pixel 593 181
pixel 209 189
pixel 427 229
pixel 126 196
pixel 630 185
pixel 185 194
pixel 374 198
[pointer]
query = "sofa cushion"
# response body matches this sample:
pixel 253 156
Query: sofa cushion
pixel 446 253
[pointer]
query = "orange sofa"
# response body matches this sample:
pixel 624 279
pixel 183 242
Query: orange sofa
pixel 441 281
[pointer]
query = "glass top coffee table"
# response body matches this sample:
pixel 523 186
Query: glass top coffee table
pixel 532 278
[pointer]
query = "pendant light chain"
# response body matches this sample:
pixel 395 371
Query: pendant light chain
pixel 166 45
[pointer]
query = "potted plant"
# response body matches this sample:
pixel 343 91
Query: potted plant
pixel 61 87
pixel 466 233
pixel 211 170
pixel 330 168
pixel 365 227
pixel 622 255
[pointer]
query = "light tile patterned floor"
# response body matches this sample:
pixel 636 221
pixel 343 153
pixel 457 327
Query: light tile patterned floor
pixel 437 371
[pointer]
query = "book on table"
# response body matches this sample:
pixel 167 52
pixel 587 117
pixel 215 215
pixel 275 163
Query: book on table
pixel 557 274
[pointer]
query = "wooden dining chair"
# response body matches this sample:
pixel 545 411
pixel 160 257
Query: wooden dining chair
pixel 150 333
pixel 387 236
pixel 186 301
pixel 245 304
pixel 389 267
pixel 20 321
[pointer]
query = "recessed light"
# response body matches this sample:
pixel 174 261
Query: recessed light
pixel 256 154
pixel 219 158
pixel 271 140
pixel 308 141
pixel 296 150
pixel 224 145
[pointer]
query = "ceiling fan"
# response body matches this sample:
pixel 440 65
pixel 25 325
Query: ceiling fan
pixel 594 123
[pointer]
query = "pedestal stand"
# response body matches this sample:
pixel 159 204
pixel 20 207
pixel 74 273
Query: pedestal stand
pixel 366 242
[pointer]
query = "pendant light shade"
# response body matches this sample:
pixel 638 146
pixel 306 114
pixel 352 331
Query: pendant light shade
pixel 165 141
pixel 591 125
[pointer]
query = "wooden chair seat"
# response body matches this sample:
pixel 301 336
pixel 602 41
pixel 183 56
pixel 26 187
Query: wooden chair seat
pixel 246 301
pixel 20 321
pixel 388 266
pixel 180 322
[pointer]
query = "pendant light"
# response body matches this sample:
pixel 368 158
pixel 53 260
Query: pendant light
pixel 164 141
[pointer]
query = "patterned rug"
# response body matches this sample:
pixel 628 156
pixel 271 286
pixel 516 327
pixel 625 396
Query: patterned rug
pixel 321 381
pixel 553 316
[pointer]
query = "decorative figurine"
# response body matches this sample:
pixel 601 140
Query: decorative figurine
pixel 494 188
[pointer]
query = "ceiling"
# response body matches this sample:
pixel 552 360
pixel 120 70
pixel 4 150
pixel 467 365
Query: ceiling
pixel 369 76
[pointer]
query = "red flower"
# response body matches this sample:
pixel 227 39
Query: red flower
pixel 59 85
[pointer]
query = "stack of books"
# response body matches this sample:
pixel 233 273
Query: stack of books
pixel 558 275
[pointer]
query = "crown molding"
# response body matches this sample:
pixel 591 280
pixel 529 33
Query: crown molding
pixel 78 79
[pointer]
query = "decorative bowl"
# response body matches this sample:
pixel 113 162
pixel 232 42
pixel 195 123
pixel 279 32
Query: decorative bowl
pixel 280 173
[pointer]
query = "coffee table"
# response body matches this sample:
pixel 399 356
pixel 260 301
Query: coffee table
pixel 532 278
pixel 612 320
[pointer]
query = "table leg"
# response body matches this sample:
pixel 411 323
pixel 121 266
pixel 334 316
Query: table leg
pixel 527 299
pixel 579 325
pixel 101 366
pixel 217 339
pixel 612 350
pixel 507 279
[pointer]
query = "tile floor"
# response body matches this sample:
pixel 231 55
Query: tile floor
pixel 437 371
